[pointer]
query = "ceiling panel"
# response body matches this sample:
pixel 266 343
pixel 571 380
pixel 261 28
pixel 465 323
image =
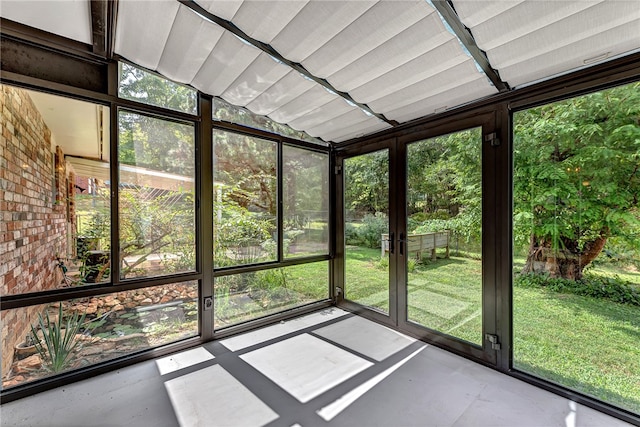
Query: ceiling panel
pixel 189 44
pixel 584 52
pixel 315 25
pixel 429 87
pixel 263 20
pixel 462 94
pixel 285 90
pixel 396 56
pixel 260 75
pixel 367 127
pixel 227 61
pixel 144 44
pixel 71 18
pixel 310 100
pixel 414 42
pixel 387 18
pixel 345 120
pixel 533 40
pixel 328 111
pixel 428 65
pixel 225 9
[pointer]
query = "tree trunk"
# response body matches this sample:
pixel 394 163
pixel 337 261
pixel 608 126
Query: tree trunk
pixel 567 262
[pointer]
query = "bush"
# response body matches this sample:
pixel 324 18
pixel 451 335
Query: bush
pixel 369 234
pixel 350 234
pixel 611 288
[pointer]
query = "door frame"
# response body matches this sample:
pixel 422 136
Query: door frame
pixel 492 304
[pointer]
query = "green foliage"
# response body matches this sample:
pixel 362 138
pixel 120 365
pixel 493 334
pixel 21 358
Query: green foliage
pixel 369 232
pixel 58 339
pixel 367 183
pixel 576 176
pixel 591 285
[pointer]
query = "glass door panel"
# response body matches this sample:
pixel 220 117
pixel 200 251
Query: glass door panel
pixel 444 234
pixel 367 241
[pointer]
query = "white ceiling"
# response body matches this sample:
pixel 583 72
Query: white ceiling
pixel 79 128
pixel 67 18
pixel 396 56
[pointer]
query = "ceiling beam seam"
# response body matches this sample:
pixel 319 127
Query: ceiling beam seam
pixel 269 50
pixel 448 13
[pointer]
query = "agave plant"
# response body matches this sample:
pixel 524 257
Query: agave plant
pixel 58 340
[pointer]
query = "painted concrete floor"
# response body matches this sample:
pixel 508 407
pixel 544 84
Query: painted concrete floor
pixel 330 368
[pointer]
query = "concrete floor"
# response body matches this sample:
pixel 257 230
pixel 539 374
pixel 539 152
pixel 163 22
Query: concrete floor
pixel 329 368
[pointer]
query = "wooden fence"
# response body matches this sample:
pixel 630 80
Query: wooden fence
pixel 419 243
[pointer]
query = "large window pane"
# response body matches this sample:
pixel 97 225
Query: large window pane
pixel 366 229
pixel 576 226
pixel 246 296
pixel 94 330
pixel 444 207
pixel 138 85
pixel 245 199
pixel 156 196
pixel 226 112
pixel 54 192
pixel 306 202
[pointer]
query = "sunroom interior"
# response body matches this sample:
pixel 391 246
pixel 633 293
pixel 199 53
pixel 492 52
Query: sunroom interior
pixel 307 208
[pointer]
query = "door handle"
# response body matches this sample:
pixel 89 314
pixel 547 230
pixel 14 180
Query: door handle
pixel 401 243
pixel 392 242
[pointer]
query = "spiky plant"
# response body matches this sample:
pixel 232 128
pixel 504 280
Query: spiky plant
pixel 58 340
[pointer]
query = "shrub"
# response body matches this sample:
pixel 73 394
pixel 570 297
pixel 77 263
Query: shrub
pixel 350 234
pixel 591 285
pixel 370 232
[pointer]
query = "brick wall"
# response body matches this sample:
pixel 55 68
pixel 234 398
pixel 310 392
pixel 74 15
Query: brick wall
pixel 33 222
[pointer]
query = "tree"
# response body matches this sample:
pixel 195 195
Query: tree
pixel 576 178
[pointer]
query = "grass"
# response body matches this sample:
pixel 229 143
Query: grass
pixel 584 343
pixel 587 344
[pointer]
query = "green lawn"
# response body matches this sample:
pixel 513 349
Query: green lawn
pixel 590 345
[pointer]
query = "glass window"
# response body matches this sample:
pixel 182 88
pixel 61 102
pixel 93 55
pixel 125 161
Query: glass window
pixel 245 199
pixel 223 111
pixel 576 228
pixel 54 192
pixel 138 85
pixel 156 196
pixel 306 202
pixel 94 330
pixel 444 241
pixel 366 229
pixel 242 297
